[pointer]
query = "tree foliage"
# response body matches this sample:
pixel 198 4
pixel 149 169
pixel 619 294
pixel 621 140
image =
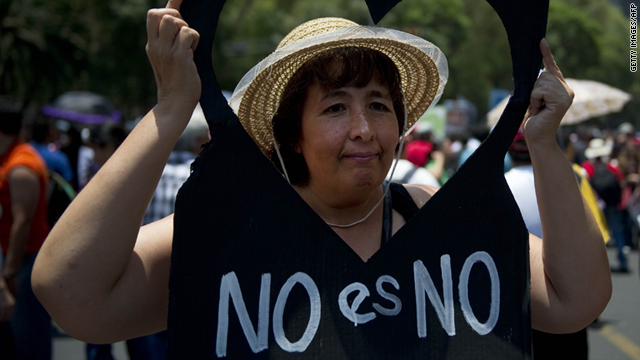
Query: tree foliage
pixel 40 52
pixel 48 47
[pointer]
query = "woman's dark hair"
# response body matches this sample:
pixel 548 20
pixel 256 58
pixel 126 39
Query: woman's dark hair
pixel 336 68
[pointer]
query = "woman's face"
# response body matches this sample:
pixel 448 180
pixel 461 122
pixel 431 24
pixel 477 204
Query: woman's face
pixel 348 136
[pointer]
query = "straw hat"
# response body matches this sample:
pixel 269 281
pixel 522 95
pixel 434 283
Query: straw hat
pixel 597 148
pixel 422 67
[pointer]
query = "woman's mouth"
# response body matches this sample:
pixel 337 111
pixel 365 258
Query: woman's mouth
pixel 362 157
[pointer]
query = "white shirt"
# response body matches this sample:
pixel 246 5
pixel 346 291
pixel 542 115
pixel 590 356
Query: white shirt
pixel 420 175
pixel 175 173
pixel 520 181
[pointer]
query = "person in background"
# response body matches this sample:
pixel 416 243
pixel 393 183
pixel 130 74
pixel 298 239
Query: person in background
pixel 7 307
pixel 71 145
pixel 580 140
pixel 587 191
pixel 412 171
pixel 629 152
pixel 178 167
pixel 23 229
pixel 521 182
pixel 478 133
pixel 440 157
pixel 103 141
pixel 55 159
pixel 628 158
pixel 608 181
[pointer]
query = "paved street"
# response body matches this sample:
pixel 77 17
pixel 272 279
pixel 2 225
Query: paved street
pixel 616 335
pixel 66 348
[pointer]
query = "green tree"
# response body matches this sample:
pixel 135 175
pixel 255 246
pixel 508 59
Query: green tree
pixel 483 60
pixel 48 47
pixel 41 53
pixel 573 37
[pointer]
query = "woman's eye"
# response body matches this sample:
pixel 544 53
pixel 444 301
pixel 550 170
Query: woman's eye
pixel 334 108
pixel 379 106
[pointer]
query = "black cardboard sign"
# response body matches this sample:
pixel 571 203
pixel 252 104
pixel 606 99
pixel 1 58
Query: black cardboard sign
pixel 257 274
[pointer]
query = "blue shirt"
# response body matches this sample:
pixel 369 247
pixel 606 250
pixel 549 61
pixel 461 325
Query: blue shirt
pixel 56 160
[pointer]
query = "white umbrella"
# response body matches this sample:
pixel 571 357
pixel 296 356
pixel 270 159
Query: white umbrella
pixel 592 99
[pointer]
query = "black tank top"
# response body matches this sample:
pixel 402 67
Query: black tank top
pixel 398 199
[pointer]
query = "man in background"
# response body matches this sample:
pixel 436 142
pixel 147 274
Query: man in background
pixel 55 159
pixel 607 180
pixel 23 229
pixel 178 167
pixel 520 181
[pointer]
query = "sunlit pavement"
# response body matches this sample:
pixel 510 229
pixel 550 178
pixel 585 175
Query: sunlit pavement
pixel 615 336
pixel 66 348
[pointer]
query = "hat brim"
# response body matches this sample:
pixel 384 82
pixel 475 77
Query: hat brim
pixel 422 66
pixel 592 153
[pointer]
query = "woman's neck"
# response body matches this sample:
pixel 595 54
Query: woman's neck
pixel 340 207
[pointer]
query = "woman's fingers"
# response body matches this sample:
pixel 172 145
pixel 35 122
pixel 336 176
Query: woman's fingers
pixel 549 62
pixel 154 17
pixel 550 99
pixel 162 27
pixel 174 4
pixel 550 88
pixel 187 40
pixel 537 99
pixel 170 49
pixel 169 29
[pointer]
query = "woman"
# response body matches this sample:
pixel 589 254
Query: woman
pixel 104 279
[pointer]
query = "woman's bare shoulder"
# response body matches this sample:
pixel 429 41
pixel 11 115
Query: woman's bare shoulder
pixel 420 193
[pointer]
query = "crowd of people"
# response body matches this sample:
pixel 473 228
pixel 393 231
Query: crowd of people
pixel 44 163
pixel 605 162
pixel 59 153
pixel 608 159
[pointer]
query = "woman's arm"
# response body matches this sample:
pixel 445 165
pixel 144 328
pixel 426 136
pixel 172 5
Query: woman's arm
pixel 99 275
pixel 570 279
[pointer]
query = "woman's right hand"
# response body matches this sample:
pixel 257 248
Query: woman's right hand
pixel 170 46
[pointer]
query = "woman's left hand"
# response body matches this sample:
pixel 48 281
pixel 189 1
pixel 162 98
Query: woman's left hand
pixel 550 99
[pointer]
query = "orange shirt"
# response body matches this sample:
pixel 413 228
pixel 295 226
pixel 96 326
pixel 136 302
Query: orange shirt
pixel 20 154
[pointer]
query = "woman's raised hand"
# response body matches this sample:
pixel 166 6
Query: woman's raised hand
pixel 550 99
pixel 170 46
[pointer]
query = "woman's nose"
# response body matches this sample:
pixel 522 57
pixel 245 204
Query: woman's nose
pixel 361 125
